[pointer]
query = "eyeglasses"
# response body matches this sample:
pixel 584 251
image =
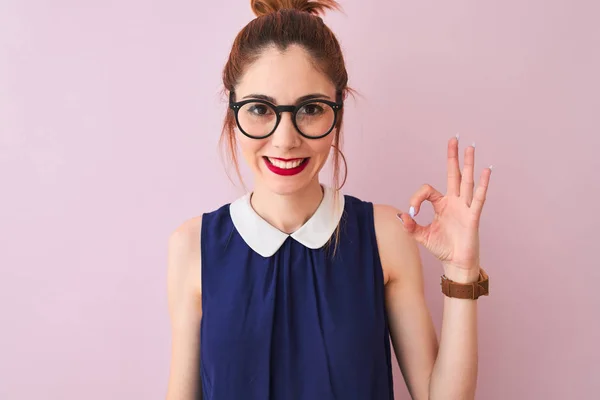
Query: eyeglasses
pixel 313 119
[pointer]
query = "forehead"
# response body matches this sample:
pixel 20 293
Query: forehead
pixel 284 75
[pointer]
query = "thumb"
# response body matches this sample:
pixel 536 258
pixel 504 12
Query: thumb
pixel 416 231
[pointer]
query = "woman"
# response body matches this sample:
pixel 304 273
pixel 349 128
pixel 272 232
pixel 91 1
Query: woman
pixel 293 291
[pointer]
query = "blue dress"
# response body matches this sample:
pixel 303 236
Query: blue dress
pixel 287 318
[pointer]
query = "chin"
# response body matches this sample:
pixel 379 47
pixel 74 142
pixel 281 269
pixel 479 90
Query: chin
pixel 286 186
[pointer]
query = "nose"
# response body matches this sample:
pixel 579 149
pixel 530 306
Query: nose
pixel 285 136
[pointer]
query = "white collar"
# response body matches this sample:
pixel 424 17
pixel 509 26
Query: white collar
pixel 265 239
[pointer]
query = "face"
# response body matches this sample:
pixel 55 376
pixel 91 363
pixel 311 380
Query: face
pixel 285 162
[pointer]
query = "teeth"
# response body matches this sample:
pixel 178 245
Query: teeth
pixel 285 164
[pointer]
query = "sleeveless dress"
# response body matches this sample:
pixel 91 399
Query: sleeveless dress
pixel 287 318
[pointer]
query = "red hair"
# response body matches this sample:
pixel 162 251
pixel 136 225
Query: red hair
pixel 282 23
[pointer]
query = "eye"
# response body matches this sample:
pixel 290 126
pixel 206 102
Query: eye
pixel 311 109
pixel 258 109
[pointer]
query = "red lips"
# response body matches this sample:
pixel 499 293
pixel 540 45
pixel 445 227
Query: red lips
pixel 284 171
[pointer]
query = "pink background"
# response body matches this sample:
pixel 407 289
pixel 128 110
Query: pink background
pixel 110 113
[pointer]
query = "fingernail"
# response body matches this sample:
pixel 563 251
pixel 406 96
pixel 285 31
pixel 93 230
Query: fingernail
pixel 400 218
pixel 457 136
pixel 411 211
pixel 473 144
pixel 491 167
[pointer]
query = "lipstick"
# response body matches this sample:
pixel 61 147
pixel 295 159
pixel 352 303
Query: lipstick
pixel 286 171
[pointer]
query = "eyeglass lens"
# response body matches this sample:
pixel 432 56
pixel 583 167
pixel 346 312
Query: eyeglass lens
pixel 313 119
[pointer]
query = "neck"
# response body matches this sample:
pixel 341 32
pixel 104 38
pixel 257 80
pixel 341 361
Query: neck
pixel 287 212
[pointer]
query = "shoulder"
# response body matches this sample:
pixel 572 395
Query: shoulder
pixel 217 221
pixel 184 246
pixel 184 238
pixel 184 255
pixel 398 251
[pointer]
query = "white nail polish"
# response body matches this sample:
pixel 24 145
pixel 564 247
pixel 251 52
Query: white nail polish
pixel 457 136
pixel 473 144
pixel 491 167
pixel 411 211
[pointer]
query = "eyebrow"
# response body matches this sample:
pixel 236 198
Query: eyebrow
pixel 298 100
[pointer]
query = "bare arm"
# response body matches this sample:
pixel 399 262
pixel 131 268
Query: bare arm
pixel 455 371
pixel 185 310
pixel 411 328
pixel 446 371
pixel 453 238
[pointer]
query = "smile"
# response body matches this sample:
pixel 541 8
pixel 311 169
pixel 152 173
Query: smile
pixel 286 167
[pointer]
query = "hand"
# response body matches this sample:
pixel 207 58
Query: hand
pixel 453 236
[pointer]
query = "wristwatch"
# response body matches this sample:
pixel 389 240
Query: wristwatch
pixel 467 290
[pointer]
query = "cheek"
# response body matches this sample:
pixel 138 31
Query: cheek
pixel 249 147
pixel 322 148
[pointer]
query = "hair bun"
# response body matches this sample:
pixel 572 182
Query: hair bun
pixel 314 7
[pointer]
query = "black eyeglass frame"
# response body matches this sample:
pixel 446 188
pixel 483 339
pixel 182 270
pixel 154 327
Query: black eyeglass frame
pixel 236 106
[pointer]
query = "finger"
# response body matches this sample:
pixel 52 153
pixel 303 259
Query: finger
pixel 418 232
pixel 467 181
pixel 426 192
pixel 453 167
pixel 481 191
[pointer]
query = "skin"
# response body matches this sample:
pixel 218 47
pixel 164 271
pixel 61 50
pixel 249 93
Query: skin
pixel 431 369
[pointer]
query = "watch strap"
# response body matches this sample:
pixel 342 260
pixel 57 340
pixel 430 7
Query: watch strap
pixel 471 291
